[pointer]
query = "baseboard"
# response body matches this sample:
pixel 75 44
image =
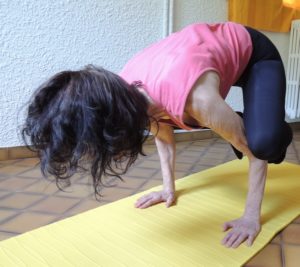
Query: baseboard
pixel 10 153
pixel 19 152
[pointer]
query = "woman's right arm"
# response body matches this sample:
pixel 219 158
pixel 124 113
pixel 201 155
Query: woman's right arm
pixel 165 143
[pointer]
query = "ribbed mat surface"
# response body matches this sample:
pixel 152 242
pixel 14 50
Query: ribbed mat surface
pixel 187 234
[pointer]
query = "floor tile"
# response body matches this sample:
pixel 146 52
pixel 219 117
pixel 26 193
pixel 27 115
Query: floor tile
pixel 33 173
pixel 199 168
pixel 270 256
pixel 157 176
pixel 6 214
pixel 149 164
pixel 185 159
pixel 216 155
pixel 85 206
pixel 141 172
pixel 16 183
pixel 30 162
pixel 219 148
pixel 178 175
pixel 291 234
pixel 131 183
pixel 153 157
pixel 20 201
pixel 42 186
pixel 84 179
pixel 149 184
pixel 27 221
pixel 182 145
pixel 183 166
pixel 290 149
pixel 203 143
pixel 113 194
pixel 292 256
pixel 211 161
pixel 150 149
pixel 197 149
pixel 297 220
pixel 9 162
pixel 181 174
pixel 188 153
pixel 55 204
pixel 294 161
pixel 76 190
pixel 4 194
pixel 277 239
pixel 290 157
pixel 5 235
pixel 12 170
pixel 230 156
pixel 79 176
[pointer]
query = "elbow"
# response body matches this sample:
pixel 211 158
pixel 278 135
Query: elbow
pixel 240 144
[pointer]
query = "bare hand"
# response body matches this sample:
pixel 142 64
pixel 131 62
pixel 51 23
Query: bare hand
pixel 155 198
pixel 242 230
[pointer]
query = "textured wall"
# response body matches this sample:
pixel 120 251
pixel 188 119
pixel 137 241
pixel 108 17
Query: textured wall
pixel 210 11
pixel 39 38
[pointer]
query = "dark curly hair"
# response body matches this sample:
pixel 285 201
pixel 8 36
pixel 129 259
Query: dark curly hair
pixel 87 114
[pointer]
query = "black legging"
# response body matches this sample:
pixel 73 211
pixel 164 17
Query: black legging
pixel 263 83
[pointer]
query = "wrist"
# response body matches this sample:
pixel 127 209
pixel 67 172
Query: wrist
pixel 253 216
pixel 170 190
pixel 170 187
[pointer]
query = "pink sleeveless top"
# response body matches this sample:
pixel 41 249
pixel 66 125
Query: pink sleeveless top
pixel 169 68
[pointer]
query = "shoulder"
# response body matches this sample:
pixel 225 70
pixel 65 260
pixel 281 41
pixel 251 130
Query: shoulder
pixel 210 78
pixel 154 111
pixel 204 91
pixel 206 85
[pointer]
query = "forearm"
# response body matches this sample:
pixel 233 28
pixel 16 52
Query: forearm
pixel 166 151
pixel 209 109
pixel 165 143
pixel 221 118
pixel 257 180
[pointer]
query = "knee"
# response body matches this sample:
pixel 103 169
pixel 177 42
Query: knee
pixel 265 146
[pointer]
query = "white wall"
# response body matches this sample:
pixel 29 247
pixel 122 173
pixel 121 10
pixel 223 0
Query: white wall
pixel 39 38
pixel 207 11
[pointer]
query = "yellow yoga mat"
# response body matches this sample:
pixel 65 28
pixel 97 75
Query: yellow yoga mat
pixel 188 234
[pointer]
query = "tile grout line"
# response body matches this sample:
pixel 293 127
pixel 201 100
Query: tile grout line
pixel 10 232
pixel 137 190
pixel 282 256
pixel 296 151
pixel 203 152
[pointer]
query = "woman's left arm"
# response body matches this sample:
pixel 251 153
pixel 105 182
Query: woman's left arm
pixel 207 106
pixel 248 226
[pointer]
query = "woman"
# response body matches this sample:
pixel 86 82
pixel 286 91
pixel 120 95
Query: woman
pixel 181 80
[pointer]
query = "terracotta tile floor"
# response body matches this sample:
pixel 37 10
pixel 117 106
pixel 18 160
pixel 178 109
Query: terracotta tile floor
pixel 28 201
